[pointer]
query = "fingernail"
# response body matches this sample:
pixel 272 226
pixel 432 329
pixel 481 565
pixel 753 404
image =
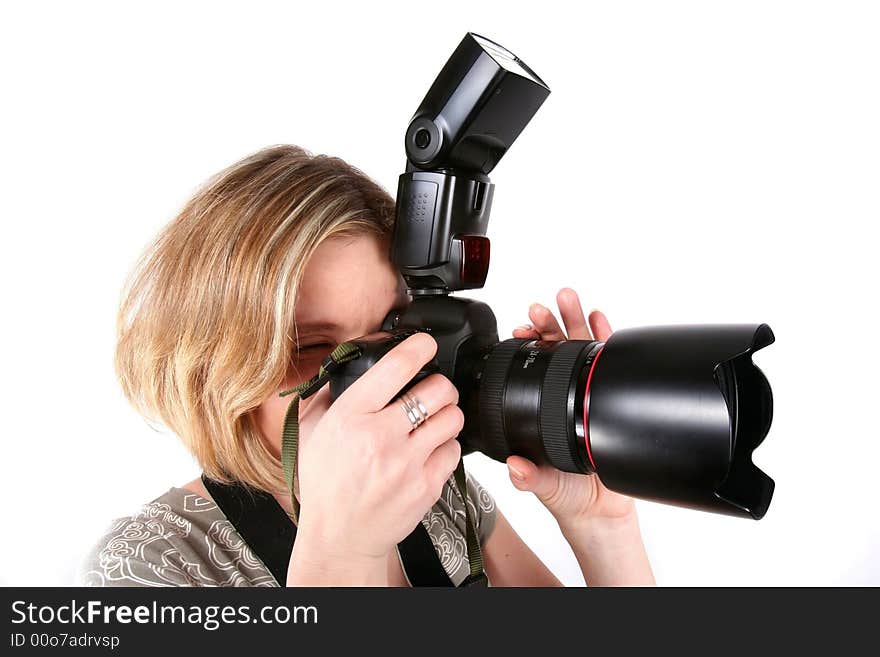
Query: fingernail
pixel 516 474
pixel 524 327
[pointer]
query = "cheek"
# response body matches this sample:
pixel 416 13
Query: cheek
pixel 270 420
pixel 270 414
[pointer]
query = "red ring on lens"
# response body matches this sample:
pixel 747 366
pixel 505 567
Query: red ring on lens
pixel 587 407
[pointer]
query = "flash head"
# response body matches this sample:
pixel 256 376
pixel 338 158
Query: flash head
pixel 482 99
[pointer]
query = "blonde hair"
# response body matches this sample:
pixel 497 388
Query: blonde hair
pixel 205 323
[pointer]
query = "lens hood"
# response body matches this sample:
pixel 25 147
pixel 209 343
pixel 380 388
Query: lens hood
pixel 674 413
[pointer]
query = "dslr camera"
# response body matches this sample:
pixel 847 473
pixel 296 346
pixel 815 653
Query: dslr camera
pixel 665 413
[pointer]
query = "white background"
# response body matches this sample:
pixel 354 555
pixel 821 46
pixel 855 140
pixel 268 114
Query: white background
pixel 695 162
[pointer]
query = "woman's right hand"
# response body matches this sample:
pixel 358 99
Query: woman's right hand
pixel 365 476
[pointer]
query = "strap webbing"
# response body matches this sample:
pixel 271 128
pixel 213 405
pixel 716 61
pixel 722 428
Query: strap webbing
pixel 477 575
pixel 290 434
pixel 268 531
pixel 260 520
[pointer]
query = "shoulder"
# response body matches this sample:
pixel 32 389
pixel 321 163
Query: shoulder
pixel 178 539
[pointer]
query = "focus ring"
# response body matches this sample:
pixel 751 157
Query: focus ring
pixel 491 405
pixel 557 406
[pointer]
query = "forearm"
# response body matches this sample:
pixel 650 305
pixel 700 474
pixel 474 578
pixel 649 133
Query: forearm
pixel 610 551
pixel 316 561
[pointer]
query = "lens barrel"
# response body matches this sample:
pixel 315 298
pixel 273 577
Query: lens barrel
pixel 531 395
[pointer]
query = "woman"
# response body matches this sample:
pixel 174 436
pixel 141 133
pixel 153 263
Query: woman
pixel 275 261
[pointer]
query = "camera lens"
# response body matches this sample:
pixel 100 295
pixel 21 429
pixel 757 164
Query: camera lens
pixel 669 413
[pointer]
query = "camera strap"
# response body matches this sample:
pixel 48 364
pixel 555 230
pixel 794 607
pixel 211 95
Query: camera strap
pixel 269 532
pixel 344 353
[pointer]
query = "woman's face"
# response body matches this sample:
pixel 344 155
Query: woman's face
pixel 348 287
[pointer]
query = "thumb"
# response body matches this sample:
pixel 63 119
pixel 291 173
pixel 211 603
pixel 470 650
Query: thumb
pixel 311 410
pixel 318 403
pixel 527 476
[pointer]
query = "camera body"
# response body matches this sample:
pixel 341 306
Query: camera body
pixel 465 331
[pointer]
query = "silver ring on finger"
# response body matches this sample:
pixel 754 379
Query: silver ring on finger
pixel 415 410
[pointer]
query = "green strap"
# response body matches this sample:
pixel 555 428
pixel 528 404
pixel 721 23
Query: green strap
pixel 290 444
pixel 289 447
pixel 475 553
pixel 290 435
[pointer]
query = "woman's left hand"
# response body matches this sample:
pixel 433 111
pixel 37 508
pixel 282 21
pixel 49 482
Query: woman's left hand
pixel 573 499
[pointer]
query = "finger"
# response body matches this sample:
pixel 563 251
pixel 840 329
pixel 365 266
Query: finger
pixel 545 323
pixel 435 393
pixel 527 476
pixel 526 332
pixel 381 383
pixel 442 463
pixel 573 315
pixel 446 425
pixel 601 326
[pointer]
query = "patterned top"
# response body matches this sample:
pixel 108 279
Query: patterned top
pixel 183 539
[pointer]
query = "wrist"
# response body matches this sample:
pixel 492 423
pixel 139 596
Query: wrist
pixel 610 550
pixel 609 528
pixel 319 559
